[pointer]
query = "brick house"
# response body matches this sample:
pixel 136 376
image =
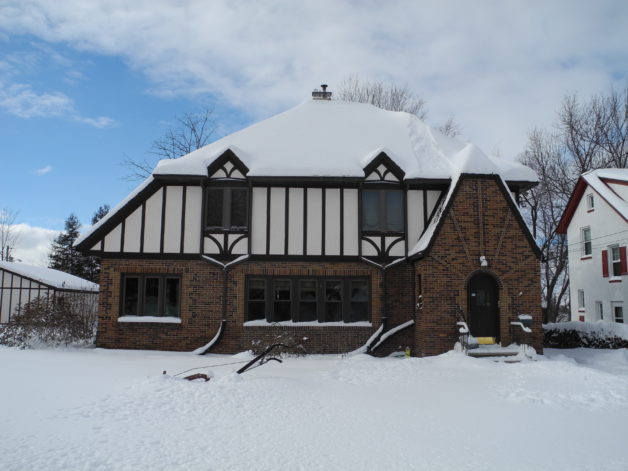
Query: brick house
pixel 333 222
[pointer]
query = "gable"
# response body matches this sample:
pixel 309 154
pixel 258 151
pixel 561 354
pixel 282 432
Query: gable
pixel 482 204
pixel 383 169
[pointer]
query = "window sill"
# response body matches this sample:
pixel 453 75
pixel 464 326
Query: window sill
pixel 614 279
pixel 150 319
pixel 587 257
pixel 582 309
pixel 590 210
pixel 265 323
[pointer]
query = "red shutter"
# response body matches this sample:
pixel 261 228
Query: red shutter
pixel 623 266
pixel 605 263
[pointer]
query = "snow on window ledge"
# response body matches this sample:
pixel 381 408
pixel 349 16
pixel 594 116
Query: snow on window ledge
pixel 265 323
pixel 614 279
pixel 150 319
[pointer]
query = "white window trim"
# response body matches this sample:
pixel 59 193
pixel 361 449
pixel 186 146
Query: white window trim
pixel 583 242
pixel 612 261
pixel 615 304
pixel 590 202
pixel 599 310
pixel 581 302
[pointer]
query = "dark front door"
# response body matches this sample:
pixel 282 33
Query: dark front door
pixel 483 306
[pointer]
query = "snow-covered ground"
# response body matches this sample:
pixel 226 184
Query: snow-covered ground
pixel 114 410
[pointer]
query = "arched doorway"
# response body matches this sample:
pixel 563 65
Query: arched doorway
pixel 483 295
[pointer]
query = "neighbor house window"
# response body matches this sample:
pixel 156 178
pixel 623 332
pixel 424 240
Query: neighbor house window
pixel 615 259
pixel 308 299
pixel 581 299
pixel 618 312
pixel 150 295
pixel 226 208
pixel 599 309
pixel 590 201
pixel 382 211
pixel 586 241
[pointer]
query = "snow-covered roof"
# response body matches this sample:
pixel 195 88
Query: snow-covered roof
pixel 596 179
pixel 337 138
pixel 50 277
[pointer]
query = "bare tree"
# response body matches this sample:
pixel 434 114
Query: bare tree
pixel 192 131
pixel 588 135
pixel 381 94
pixel 9 235
pixel 450 128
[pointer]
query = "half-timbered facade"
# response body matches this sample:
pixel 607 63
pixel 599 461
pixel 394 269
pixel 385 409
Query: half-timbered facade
pixel 308 221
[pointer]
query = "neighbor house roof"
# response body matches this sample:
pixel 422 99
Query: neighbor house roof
pixel 599 180
pixel 321 138
pixel 47 276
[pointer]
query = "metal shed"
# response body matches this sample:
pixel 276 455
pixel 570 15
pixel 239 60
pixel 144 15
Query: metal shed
pixel 20 283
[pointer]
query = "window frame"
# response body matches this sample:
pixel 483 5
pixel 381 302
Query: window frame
pixel 227 207
pixel 382 210
pixel 581 301
pixel 320 301
pixel 614 263
pixel 618 305
pixel 587 250
pixel 141 296
pixel 590 202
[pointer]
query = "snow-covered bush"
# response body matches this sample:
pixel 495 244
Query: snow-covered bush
pixel 585 334
pixel 51 321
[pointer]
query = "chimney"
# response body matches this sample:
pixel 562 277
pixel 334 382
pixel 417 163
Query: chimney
pixel 324 95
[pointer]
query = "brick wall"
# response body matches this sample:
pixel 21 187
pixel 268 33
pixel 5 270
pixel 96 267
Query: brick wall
pixel 479 223
pixel 202 307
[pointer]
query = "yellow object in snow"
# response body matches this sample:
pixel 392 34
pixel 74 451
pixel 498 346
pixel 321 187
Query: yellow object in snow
pixel 486 340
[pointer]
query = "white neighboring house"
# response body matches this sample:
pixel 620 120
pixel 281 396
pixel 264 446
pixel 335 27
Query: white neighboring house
pixel 596 223
pixel 20 283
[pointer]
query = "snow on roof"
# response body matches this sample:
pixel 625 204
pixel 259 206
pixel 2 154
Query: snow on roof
pixel 335 138
pixel 338 139
pixel 595 179
pixel 50 277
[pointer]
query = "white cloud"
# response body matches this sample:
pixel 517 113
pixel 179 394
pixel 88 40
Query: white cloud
pixel 498 67
pixel 43 170
pixel 33 244
pixel 20 100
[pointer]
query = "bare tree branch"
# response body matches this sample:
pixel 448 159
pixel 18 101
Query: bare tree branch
pixel 9 235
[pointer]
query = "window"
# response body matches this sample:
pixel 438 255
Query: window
pixel 590 202
pixel 618 311
pixel 257 299
pixel 615 260
pixel 382 211
pixel 308 299
pixel 586 241
pixel 150 295
pixel 227 209
pixel 599 310
pixel 581 299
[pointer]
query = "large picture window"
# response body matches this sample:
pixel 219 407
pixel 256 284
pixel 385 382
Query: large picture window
pixel 382 211
pixel 227 208
pixel 150 295
pixel 308 299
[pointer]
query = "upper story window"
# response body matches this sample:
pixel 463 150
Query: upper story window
pixel 615 259
pixel 590 202
pixel 227 208
pixel 587 248
pixel 382 211
pixel 581 299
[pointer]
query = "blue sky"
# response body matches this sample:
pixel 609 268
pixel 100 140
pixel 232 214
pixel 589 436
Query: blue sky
pixel 82 84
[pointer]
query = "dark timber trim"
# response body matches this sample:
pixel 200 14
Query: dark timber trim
pixel 391 167
pixel 142 226
pixel 268 191
pixel 163 218
pixel 184 193
pixel 249 219
pixel 201 247
pixel 324 216
pixel 307 181
pixel 305 221
pixel 227 156
pixel 122 231
pixel 424 211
